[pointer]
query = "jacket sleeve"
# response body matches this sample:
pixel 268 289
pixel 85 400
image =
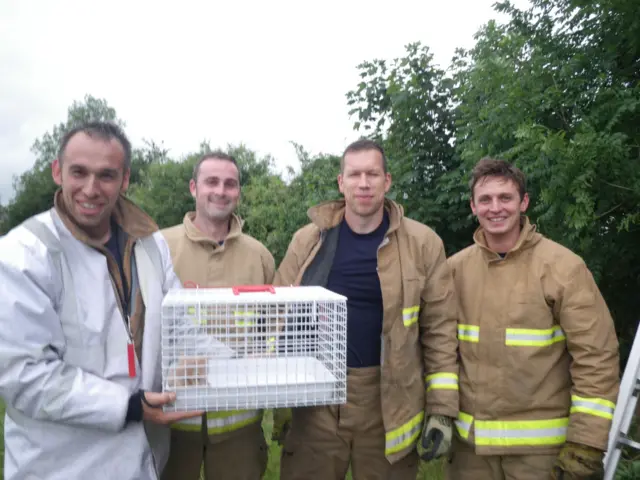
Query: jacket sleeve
pixel 33 377
pixel 269 267
pixel 438 333
pixel 290 265
pixel 593 346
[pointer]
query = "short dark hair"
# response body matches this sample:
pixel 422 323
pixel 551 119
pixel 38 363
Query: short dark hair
pixel 103 130
pixel 215 155
pixel 362 145
pixel 492 167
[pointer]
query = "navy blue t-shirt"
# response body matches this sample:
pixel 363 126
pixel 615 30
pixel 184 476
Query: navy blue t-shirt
pixel 354 274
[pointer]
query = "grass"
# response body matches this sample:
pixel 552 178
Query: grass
pixel 431 471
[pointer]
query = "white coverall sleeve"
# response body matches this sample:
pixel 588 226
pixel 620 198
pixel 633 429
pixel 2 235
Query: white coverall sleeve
pixel 33 377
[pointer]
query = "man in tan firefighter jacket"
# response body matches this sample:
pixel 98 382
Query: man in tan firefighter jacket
pixel 539 370
pixel 402 376
pixel 209 249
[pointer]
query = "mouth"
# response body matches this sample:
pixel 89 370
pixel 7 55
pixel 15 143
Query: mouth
pixel 497 219
pixel 89 208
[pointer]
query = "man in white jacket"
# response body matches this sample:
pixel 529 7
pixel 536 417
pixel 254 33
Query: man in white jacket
pixel 79 334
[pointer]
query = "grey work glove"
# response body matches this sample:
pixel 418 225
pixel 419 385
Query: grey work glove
pixel 436 437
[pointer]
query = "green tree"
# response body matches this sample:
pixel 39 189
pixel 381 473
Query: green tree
pixel 34 189
pixel 556 91
pixel 407 105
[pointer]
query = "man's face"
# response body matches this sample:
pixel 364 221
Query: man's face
pixel 497 204
pixel 92 176
pixel 363 182
pixel 217 190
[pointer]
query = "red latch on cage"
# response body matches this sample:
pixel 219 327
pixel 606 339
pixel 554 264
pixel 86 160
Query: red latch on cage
pixel 253 288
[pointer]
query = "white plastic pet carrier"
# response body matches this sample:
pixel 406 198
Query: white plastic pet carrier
pixel 254 347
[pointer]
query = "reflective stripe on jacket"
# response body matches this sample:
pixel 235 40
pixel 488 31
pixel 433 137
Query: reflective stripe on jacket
pixel 538 349
pixel 419 372
pixel 240 260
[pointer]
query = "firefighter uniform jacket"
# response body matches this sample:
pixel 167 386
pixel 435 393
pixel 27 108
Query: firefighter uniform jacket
pixel 538 350
pixel 419 371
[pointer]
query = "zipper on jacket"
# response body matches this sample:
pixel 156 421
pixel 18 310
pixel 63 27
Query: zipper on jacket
pixel 384 242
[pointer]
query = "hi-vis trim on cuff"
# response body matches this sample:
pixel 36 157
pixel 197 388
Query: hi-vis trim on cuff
pixel 463 424
pixel 404 436
pixel 220 422
pixel 499 433
pixel 592 406
pixel 533 337
pixel 410 315
pixel 469 333
pixel 441 381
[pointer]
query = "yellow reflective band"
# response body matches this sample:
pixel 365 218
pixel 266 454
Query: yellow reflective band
pixel 469 333
pixel 193 313
pixel 243 322
pixel 498 433
pixel 410 315
pixel 592 406
pixel 271 344
pixel 404 436
pixel 219 422
pixel 532 337
pixel 442 381
pixel 463 424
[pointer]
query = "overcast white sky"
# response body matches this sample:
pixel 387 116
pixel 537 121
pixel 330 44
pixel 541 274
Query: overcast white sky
pixel 260 72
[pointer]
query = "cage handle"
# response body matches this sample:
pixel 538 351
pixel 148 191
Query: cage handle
pixel 253 288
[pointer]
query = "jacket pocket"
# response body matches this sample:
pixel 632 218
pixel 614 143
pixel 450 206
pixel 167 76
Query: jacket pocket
pixel 412 290
pixel 530 356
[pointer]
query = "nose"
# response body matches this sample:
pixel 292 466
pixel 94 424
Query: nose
pixel 218 190
pixel 495 205
pixel 90 187
pixel 363 181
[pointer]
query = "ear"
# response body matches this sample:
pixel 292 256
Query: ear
pixel 473 206
pixel 524 204
pixel 340 183
pixel 192 187
pixel 125 180
pixel 56 171
pixel 387 182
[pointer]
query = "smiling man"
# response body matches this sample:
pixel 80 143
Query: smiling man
pixel 402 374
pixel 538 349
pixel 79 341
pixel 209 249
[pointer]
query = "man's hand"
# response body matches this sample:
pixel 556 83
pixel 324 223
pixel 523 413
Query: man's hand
pixel 578 462
pixel 436 437
pixel 152 404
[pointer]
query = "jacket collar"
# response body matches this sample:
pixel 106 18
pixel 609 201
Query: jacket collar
pixel 527 239
pixel 329 214
pixel 129 217
pixel 196 235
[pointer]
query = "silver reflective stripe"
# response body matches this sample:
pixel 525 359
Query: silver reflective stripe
pixel 232 419
pixel 469 333
pixel 533 337
pixel 404 436
pixel 410 315
pixel 593 406
pixel 530 433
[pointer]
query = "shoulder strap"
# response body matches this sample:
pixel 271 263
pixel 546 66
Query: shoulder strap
pixel 67 308
pixel 149 264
